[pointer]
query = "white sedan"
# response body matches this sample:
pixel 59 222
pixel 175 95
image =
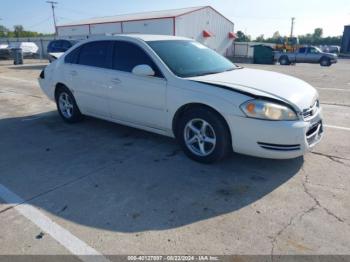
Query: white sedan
pixel 177 87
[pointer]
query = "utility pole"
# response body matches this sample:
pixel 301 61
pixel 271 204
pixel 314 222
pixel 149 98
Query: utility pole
pixel 292 27
pixel 53 6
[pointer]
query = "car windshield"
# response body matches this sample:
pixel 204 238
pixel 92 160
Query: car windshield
pixel 186 58
pixel 318 49
pixel 315 50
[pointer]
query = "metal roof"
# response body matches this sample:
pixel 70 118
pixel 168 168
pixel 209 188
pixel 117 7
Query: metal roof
pixel 144 37
pixel 136 16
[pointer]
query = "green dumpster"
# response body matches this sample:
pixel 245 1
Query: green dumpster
pixel 263 54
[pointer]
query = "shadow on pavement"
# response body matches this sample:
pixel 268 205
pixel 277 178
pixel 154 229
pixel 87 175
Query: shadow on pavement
pixel 108 176
pixel 28 67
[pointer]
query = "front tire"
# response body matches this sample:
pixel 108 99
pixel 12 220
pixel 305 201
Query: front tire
pixel 67 106
pixel 203 135
pixel 325 62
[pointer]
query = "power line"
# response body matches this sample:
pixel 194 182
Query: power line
pixel 76 11
pixel 53 6
pixel 64 18
pixel 39 23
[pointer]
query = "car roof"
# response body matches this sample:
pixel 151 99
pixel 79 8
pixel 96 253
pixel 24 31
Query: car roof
pixel 144 37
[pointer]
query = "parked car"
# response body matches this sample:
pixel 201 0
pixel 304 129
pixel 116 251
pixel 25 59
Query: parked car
pixel 334 49
pixel 57 47
pixel 5 52
pixel 309 54
pixel 29 50
pixel 177 87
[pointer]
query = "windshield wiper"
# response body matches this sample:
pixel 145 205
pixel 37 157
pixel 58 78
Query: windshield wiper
pixel 217 72
pixel 208 73
pixel 234 68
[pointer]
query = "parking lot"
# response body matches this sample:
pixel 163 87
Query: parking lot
pixel 102 188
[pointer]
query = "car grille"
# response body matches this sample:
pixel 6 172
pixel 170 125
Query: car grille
pixel 314 134
pixel 311 111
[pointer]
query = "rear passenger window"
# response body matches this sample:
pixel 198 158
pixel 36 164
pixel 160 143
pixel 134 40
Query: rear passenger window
pixel 128 55
pixel 302 50
pixel 96 54
pixel 72 57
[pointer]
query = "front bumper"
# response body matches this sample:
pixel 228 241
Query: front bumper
pixel 275 139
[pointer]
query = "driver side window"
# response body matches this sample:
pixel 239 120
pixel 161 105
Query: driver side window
pixel 128 55
pixel 313 51
pixel 302 50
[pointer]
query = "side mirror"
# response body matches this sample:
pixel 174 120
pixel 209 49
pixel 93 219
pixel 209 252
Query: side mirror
pixel 143 70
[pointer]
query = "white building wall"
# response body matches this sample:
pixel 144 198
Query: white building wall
pixel 192 25
pixel 77 30
pixel 162 26
pixel 188 25
pixel 106 28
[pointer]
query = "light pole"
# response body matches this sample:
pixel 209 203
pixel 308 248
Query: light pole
pixel 292 27
pixel 53 6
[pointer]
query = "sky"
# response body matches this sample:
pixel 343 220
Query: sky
pixel 253 17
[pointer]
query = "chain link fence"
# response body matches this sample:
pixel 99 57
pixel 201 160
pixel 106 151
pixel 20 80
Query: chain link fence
pixel 41 42
pixel 237 51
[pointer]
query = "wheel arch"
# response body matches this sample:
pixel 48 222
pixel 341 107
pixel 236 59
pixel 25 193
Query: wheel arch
pixel 59 86
pixel 284 57
pixel 324 57
pixel 193 105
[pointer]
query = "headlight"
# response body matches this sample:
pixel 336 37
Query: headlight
pixel 267 110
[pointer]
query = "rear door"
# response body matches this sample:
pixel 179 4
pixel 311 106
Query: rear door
pixel 301 55
pixel 137 99
pixel 88 77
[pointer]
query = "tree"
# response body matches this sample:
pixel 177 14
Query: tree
pixel 260 38
pixel 276 35
pixel 18 30
pixel 3 31
pixel 241 37
pixel 307 39
pixel 318 32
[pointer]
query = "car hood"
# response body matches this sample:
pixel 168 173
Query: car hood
pixel 274 85
pixel 331 54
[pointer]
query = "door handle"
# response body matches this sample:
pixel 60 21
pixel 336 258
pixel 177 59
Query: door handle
pixel 116 81
pixel 73 73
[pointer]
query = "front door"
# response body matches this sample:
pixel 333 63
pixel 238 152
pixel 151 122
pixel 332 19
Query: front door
pixel 136 99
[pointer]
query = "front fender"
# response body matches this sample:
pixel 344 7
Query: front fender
pixel 225 102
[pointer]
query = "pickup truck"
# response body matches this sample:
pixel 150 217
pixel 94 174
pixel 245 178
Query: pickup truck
pixel 306 55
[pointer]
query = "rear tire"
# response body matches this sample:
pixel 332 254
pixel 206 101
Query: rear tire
pixel 203 135
pixel 284 60
pixel 67 106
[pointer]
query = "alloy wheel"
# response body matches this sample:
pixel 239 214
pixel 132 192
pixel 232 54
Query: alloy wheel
pixel 200 137
pixel 65 105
